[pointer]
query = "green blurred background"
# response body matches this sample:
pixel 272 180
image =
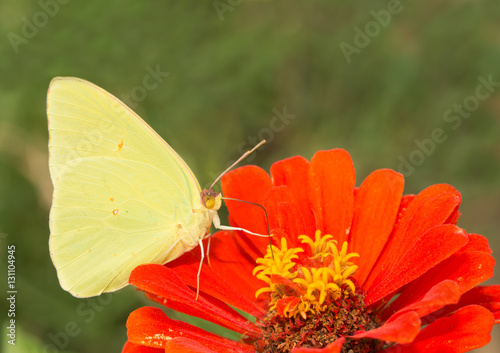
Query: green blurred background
pixel 232 67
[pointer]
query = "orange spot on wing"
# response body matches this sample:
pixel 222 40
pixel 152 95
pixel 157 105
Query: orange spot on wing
pixel 111 199
pixel 115 212
pixel 120 145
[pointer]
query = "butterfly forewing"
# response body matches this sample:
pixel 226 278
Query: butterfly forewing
pixel 87 121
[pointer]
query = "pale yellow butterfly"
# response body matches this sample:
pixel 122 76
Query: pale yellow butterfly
pixel 122 196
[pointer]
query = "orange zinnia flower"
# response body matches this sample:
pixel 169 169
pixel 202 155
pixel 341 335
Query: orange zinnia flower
pixel 352 269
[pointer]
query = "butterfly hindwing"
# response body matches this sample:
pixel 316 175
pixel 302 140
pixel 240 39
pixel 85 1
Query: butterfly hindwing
pixel 109 216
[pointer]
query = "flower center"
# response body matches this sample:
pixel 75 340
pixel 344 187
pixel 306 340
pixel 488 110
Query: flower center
pixel 312 299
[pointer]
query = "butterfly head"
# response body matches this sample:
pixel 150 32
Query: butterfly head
pixel 211 199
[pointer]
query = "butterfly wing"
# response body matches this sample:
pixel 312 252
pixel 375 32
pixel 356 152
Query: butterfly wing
pixel 122 196
pixel 86 121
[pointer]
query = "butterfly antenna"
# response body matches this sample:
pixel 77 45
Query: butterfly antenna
pixel 265 212
pixel 238 161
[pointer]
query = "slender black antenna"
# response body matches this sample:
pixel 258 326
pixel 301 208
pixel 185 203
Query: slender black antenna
pixel 265 212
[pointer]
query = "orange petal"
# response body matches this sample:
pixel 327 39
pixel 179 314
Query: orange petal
pixel 467 329
pixel 130 347
pixel 186 345
pixel 436 245
pixel 165 287
pixel 376 206
pixel 248 183
pixel 430 208
pixel 294 173
pixel 444 293
pixel 476 242
pixel 334 347
pixel 403 329
pixel 150 327
pixel 486 296
pixel 466 269
pixel 285 214
pixel 231 271
pixel 331 191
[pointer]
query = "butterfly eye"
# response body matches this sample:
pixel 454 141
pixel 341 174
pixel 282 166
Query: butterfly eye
pixel 209 201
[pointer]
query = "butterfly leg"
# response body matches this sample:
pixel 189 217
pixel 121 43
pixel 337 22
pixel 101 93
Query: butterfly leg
pixel 199 269
pixel 208 250
pixel 217 225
